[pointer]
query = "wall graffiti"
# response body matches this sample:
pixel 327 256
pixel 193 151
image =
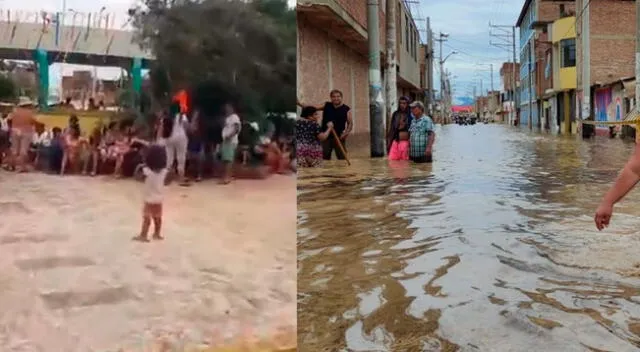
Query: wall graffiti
pixel 603 100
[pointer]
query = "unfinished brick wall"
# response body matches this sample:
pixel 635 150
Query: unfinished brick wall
pixel 506 73
pixel 550 10
pixel 613 27
pixel 358 10
pixel 325 64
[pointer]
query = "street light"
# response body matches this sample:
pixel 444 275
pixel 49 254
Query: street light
pixel 446 57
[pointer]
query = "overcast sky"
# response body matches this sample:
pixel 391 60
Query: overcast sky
pixel 116 9
pixel 467 23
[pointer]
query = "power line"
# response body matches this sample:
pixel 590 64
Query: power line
pixel 573 27
pixel 486 58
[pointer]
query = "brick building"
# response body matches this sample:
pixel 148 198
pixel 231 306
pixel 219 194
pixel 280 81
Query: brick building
pixel 612 33
pixel 535 46
pixel 79 88
pixel 333 54
pixel 507 72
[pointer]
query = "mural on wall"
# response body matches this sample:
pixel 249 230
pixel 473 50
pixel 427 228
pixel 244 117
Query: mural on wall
pixel 602 102
pixel 608 104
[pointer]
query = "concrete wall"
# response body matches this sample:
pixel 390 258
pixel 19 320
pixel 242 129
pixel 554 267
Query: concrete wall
pixel 408 51
pixel 325 62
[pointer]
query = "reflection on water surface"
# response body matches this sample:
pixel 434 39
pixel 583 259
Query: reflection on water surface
pixel 491 248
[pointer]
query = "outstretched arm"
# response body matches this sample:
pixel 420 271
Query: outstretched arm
pixel 624 183
pixel 627 179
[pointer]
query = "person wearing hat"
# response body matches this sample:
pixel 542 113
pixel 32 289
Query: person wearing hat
pixel 421 135
pixel 23 123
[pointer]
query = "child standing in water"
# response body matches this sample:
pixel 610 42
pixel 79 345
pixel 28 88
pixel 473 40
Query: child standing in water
pixel 155 172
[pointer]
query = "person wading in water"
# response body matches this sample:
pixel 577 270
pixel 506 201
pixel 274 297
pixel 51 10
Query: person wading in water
pixel 398 134
pixel 340 115
pixel 421 134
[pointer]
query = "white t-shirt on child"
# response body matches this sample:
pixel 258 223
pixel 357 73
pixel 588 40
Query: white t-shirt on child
pixel 153 185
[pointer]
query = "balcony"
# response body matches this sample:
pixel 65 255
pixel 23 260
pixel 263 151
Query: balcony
pixel 330 16
pixel 563 28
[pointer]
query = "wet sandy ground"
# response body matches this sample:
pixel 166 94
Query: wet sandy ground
pixel 490 248
pixel 71 279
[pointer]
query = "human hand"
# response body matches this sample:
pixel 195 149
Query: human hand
pixel 330 125
pixel 603 215
pixel 344 135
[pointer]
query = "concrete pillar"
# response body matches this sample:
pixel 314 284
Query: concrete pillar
pixel 42 61
pixel 136 75
pixel 566 112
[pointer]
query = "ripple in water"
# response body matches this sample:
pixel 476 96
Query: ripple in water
pixel 491 248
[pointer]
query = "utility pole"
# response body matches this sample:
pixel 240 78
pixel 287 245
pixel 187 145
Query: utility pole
pixel 475 100
pixel 506 39
pixel 492 105
pixel 515 97
pixel 390 74
pixel 441 39
pixel 482 100
pixel 586 62
pixel 637 102
pixel 429 63
pixel 376 99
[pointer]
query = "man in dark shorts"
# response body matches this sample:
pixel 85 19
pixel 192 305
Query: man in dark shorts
pixel 340 115
pixel 421 135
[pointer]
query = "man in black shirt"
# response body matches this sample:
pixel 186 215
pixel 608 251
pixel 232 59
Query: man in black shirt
pixel 340 115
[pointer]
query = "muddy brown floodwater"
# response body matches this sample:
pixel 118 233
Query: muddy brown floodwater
pixel 491 248
pixel 72 280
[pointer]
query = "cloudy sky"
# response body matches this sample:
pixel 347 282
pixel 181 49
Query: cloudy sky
pixel 116 9
pixel 467 23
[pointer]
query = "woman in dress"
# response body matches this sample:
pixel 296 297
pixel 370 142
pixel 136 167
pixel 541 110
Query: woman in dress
pixel 308 138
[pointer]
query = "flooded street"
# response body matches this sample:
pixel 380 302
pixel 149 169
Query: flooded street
pixel 490 248
pixel 72 280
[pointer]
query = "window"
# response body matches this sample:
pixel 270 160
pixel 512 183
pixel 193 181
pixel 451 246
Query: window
pixel 406 31
pixel 415 46
pixel 413 43
pixel 400 22
pixel 568 53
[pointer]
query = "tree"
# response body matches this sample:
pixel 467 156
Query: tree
pixel 8 89
pixel 237 51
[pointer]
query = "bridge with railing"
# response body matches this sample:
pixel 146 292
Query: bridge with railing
pixel 49 38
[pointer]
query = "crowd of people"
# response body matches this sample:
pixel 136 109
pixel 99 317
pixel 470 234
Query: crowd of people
pixel 118 147
pixel 176 137
pixel 410 134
